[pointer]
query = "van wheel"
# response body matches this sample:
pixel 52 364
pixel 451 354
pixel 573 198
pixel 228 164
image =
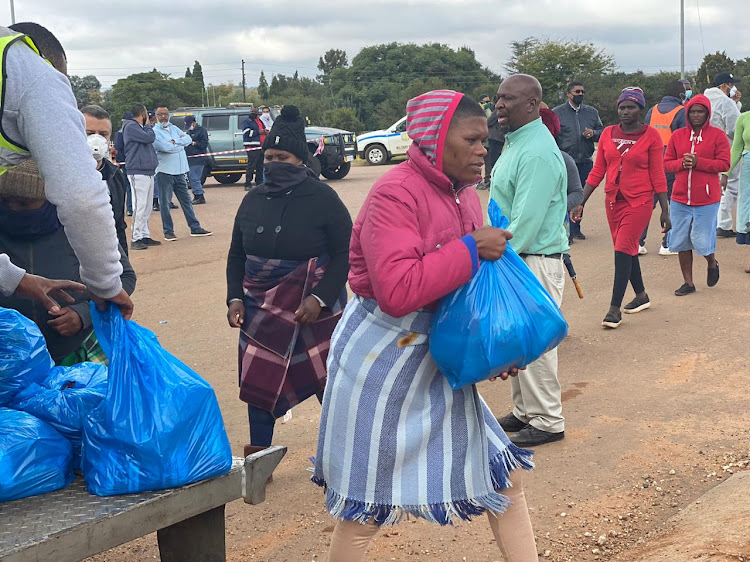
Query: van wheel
pixel 376 154
pixel 226 179
pixel 339 172
pixel 314 164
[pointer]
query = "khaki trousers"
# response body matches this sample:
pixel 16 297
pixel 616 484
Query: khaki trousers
pixel 536 391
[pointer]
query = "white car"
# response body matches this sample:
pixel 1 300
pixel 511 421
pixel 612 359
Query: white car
pixel 377 147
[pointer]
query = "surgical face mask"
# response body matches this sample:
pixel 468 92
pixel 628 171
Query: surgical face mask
pixel 164 124
pixel 688 94
pixel 732 91
pixel 193 125
pixel 578 99
pixel 99 146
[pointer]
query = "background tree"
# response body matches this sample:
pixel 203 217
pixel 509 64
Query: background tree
pixel 556 63
pixel 198 74
pixel 188 74
pixel 263 86
pixel 330 61
pixel 712 64
pixel 87 89
pixel 152 89
pixel 343 118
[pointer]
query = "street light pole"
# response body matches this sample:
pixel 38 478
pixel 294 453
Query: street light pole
pixel 12 12
pixel 682 39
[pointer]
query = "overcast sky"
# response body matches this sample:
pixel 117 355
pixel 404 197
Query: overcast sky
pixel 114 39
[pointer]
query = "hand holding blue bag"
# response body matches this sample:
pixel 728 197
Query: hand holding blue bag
pixel 64 399
pixel 159 425
pixel 502 318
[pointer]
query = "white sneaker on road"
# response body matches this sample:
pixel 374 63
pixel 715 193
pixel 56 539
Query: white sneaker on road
pixel 642 251
pixel 666 251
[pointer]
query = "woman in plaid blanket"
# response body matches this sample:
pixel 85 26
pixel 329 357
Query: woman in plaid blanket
pixel 286 280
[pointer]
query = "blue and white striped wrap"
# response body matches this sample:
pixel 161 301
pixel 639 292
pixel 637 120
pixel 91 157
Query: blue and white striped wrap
pixel 395 440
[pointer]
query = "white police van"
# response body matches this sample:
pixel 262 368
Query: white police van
pixel 377 147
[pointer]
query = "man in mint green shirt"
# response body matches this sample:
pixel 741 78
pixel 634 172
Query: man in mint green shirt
pixel 529 182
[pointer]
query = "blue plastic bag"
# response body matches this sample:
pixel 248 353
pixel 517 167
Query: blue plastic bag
pixel 34 458
pixel 64 399
pixel 159 425
pixel 24 358
pixel 502 318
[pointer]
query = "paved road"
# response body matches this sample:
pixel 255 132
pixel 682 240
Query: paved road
pixel 666 391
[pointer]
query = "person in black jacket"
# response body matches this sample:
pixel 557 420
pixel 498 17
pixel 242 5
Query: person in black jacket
pixel 251 140
pixel 286 280
pixel 119 145
pixel 32 236
pixel 199 146
pixel 580 128
pixel 99 124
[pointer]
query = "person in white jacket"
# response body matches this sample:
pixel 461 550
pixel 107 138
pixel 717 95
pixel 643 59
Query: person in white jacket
pixel 724 115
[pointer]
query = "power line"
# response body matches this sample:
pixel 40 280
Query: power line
pixel 700 26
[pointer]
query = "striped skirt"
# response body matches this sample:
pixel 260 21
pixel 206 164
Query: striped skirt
pixel 395 440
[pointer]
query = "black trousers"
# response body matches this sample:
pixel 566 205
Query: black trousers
pixel 252 164
pixel 494 149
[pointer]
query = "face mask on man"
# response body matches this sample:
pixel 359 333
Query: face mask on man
pixel 578 99
pixel 688 94
pixel 99 146
pixel 732 91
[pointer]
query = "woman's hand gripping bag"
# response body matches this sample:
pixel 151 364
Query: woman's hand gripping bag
pixel 24 358
pixel 159 425
pixel 64 399
pixel 34 458
pixel 502 318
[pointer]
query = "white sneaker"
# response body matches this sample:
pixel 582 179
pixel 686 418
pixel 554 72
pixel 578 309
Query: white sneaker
pixel 666 251
pixel 642 251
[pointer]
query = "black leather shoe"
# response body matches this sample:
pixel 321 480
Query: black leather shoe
pixel 511 423
pixel 579 235
pixel 172 205
pixel 530 436
pixel 713 275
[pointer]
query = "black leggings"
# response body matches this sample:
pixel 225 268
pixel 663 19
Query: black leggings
pixel 627 269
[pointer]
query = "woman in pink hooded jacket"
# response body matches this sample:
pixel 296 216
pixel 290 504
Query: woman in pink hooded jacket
pixel 395 440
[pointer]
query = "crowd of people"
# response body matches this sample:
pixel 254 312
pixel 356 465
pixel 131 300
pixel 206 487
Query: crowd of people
pixel 395 440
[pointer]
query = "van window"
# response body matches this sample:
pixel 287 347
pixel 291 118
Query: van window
pixel 178 122
pixel 401 127
pixel 216 122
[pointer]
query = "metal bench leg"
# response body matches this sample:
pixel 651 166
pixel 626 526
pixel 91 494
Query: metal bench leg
pixel 198 539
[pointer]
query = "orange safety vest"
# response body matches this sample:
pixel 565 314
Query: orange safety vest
pixel 662 122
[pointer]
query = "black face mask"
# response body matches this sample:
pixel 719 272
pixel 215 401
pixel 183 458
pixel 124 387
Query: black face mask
pixel 280 177
pixel 29 224
pixel 578 99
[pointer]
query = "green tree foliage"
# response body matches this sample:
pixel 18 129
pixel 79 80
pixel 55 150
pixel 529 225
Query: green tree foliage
pixel 188 74
pixel 375 82
pixel 87 89
pixel 343 118
pixel 198 74
pixel 712 64
pixel 556 63
pixel 263 91
pixel 153 89
pixel 333 59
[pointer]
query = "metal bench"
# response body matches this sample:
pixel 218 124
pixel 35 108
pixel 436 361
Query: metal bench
pixel 71 524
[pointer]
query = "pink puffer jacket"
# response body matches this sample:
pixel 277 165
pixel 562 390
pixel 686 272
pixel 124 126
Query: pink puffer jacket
pixel 406 250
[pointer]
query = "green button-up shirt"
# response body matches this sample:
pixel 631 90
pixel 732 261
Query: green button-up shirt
pixel 530 184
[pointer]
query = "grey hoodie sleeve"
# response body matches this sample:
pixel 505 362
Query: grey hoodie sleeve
pixel 50 125
pixel 10 276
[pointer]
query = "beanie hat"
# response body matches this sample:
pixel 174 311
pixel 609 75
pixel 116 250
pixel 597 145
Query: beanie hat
pixel 428 118
pixel 633 94
pixel 23 181
pixel 288 133
pixel 189 119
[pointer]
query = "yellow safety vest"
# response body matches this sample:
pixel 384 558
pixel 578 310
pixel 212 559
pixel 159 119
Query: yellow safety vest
pixel 6 142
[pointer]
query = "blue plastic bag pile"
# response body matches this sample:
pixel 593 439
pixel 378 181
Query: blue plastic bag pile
pixel 502 318
pixel 147 423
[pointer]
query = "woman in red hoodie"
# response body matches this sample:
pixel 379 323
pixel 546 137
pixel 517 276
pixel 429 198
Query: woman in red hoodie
pixel 631 156
pixel 697 154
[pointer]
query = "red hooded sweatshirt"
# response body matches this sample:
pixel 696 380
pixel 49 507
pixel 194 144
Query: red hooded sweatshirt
pixel 699 185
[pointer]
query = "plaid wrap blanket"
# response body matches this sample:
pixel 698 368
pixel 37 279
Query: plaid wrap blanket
pixel 282 363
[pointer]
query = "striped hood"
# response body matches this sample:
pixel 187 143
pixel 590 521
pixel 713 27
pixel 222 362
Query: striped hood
pixel 428 118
